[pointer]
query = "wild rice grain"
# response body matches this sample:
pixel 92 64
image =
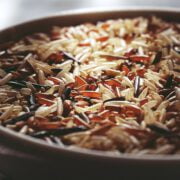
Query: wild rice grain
pixel 112 86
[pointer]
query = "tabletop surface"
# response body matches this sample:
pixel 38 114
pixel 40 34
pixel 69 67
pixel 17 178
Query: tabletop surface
pixel 16 11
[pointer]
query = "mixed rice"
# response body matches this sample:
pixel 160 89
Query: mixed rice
pixel 111 86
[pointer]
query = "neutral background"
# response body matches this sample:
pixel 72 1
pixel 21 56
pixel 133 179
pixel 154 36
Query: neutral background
pixel 15 11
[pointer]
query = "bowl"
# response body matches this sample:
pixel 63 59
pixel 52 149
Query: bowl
pixel 26 158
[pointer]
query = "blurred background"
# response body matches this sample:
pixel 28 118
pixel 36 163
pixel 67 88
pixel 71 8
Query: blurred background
pixel 16 11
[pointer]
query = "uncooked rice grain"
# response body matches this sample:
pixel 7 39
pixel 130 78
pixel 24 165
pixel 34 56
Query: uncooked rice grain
pixel 110 86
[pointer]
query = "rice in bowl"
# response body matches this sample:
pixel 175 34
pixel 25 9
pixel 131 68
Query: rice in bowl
pixel 111 86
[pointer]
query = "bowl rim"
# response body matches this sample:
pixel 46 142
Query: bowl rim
pixel 83 11
pixel 36 143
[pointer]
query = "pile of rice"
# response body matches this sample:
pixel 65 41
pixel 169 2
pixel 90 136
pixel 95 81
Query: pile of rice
pixel 111 86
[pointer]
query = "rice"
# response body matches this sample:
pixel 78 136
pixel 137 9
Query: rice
pixel 111 86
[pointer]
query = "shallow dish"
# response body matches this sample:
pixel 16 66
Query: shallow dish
pixel 22 155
